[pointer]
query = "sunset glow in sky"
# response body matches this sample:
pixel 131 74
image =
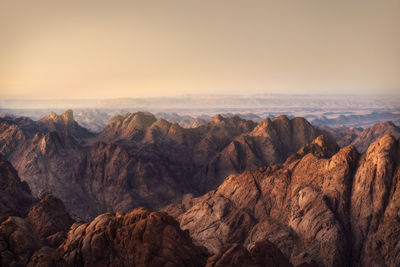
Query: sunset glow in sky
pixel 108 49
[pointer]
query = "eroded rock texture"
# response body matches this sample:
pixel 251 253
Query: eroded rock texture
pixel 323 206
pixel 138 238
pixel 261 254
pixel 50 220
pixel 141 161
pixel 375 205
pixel 15 195
pixel 18 242
pixel 20 238
pixel 359 137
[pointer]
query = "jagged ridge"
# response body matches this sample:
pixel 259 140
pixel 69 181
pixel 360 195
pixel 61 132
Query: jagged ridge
pixel 335 208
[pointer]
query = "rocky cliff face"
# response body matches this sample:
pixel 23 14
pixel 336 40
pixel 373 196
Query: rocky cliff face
pixel 47 236
pixel 261 254
pixel 64 122
pixel 375 205
pixel 369 135
pixel 343 136
pixel 21 238
pixel 138 238
pixel 361 138
pixel 50 220
pixel 15 195
pixel 323 206
pixel 270 142
pixel 139 160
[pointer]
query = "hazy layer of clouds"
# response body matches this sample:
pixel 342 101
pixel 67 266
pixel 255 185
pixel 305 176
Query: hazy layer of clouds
pixel 103 49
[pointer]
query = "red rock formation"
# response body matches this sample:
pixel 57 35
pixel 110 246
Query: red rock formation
pixel 149 165
pixel 20 238
pixel 369 135
pixel 50 220
pixel 64 122
pixel 141 161
pixel 261 254
pixel 322 206
pixel 15 196
pixel 361 138
pixel 18 242
pixel 46 257
pixel 138 238
pixel 343 135
pixel 375 205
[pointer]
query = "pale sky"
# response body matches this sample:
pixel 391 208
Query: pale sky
pixel 109 49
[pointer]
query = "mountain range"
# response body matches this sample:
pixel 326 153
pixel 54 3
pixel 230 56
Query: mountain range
pixel 278 192
pixel 138 160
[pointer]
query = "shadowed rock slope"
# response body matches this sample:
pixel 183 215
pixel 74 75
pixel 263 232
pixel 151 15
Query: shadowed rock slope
pixel 324 206
pixel 138 238
pixel 21 238
pixel 141 161
pixel 369 135
pixel 270 142
pixel 361 138
pixel 15 195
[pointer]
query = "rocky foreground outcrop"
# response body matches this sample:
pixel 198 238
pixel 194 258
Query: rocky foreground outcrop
pixel 22 236
pixel 323 206
pixel 45 235
pixel 138 238
pixel 49 220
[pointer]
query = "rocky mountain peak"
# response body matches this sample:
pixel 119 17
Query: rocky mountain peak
pixel 233 125
pixel 64 122
pixel 138 120
pixel 282 119
pixel 127 127
pixel 325 208
pixel 218 120
pixel 162 124
pixel 53 115
pixel 67 117
pixel 378 130
pixel 263 128
pixel 322 147
pixel 142 120
pixel 385 144
pixel 323 140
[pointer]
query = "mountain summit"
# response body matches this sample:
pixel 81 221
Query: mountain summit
pixel 323 206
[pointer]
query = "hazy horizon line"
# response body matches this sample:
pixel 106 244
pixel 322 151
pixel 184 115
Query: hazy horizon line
pixel 208 95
